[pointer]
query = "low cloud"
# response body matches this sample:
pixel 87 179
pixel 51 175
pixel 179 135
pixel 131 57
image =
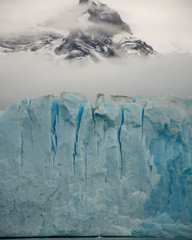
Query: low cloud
pixel 28 76
pixel 18 16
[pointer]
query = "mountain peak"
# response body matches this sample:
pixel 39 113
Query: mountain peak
pixel 103 35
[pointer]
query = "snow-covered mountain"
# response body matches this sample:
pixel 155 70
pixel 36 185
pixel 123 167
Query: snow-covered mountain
pixel 101 34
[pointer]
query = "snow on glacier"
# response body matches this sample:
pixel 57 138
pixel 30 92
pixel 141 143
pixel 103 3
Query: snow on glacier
pixel 120 168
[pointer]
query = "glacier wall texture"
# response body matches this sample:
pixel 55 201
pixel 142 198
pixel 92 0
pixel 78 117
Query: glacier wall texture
pixel 120 168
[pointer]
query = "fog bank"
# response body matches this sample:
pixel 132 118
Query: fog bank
pixel 24 75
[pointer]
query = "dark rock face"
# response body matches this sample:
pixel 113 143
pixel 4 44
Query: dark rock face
pixel 105 36
pixel 33 43
pixel 79 44
pixel 100 13
pixel 136 46
pixel 83 1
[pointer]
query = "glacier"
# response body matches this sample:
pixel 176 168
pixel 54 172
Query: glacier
pixel 121 167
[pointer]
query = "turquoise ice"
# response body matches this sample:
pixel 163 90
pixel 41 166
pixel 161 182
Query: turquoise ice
pixel 120 168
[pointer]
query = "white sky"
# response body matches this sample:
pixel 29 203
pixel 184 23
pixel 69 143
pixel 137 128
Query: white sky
pixel 164 24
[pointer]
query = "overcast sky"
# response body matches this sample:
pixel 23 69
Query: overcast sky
pixel 164 24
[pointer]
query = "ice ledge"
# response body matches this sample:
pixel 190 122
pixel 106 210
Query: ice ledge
pixel 169 99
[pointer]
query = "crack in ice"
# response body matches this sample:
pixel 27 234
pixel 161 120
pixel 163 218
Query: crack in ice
pixel 81 109
pixel 119 138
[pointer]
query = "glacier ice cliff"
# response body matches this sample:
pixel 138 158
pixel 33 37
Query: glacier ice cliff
pixel 120 168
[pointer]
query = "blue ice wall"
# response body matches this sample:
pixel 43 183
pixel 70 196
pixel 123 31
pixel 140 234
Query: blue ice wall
pixel 120 168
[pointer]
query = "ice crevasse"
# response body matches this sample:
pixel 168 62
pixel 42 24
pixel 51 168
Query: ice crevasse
pixel 120 168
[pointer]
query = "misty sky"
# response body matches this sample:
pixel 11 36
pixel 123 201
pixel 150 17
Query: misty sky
pixel 164 24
